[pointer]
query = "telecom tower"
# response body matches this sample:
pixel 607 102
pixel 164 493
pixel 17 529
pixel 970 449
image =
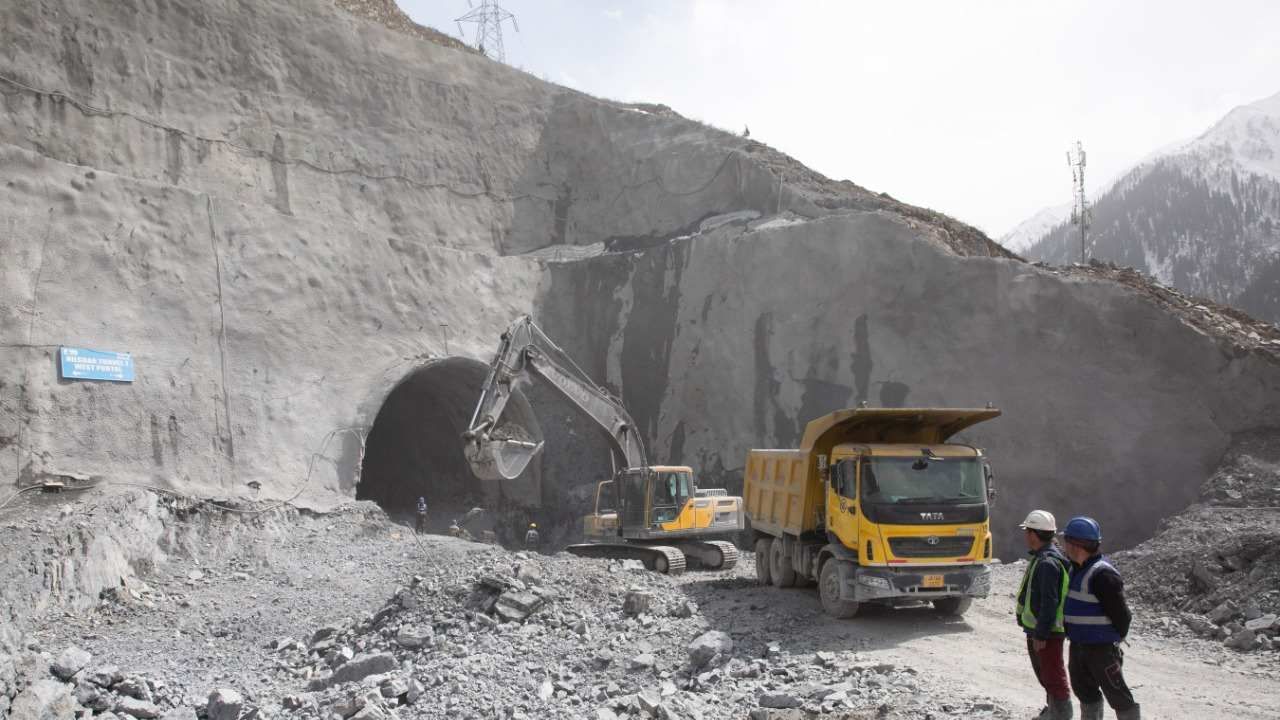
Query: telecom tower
pixel 1080 214
pixel 488 18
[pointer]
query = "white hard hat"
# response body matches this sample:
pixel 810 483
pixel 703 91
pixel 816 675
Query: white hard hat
pixel 1040 520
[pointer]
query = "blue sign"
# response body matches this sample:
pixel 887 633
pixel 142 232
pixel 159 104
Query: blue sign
pixel 81 364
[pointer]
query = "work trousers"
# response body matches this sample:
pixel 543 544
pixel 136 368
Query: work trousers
pixel 421 525
pixel 1050 670
pixel 1098 670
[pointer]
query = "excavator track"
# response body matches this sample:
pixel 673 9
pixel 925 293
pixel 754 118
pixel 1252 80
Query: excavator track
pixel 710 554
pixel 659 558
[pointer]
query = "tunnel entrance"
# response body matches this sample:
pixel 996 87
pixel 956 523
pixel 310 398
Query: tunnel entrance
pixel 415 449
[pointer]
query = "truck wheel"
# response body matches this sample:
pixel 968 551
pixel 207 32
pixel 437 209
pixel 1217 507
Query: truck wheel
pixel 780 571
pixel 953 605
pixel 762 561
pixel 829 591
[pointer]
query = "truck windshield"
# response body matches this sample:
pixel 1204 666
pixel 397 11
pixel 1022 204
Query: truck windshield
pixel 922 480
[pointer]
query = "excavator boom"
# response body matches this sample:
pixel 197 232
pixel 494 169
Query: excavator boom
pixel 498 450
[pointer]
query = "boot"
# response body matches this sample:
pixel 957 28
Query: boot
pixel 1046 712
pixel 1062 709
pixel 1133 713
pixel 1091 711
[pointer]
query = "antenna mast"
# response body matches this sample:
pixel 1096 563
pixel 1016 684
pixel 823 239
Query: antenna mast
pixel 1080 214
pixel 488 18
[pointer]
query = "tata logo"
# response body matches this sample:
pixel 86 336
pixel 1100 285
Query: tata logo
pixel 931 516
pixel 932 540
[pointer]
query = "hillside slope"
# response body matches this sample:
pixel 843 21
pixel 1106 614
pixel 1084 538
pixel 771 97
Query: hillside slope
pixel 309 230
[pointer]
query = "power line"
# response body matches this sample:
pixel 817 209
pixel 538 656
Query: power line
pixel 1080 213
pixel 488 19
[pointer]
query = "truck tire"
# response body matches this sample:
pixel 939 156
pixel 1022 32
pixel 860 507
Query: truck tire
pixel 829 591
pixel 780 571
pixel 762 561
pixel 955 606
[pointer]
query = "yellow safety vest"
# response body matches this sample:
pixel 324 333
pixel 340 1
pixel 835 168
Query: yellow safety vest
pixel 1027 616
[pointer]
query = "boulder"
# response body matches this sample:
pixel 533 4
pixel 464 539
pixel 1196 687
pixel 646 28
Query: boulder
pixel 1242 640
pixel 394 687
pixel 1202 581
pixel 1252 611
pixel 636 602
pixel 224 704
pixel 179 713
pixel 141 709
pixel 1262 622
pixel 134 687
pixel 1222 614
pixel 642 662
pixel 709 646
pixel 71 661
pixel 412 636
pixel 45 699
pixel 105 675
pixel 780 701
pixel 515 606
pixel 358 668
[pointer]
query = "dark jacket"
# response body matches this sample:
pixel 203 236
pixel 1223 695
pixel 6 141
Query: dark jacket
pixel 1108 586
pixel 1046 590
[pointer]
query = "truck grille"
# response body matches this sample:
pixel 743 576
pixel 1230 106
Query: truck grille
pixel 920 547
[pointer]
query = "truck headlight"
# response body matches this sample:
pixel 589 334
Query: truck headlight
pixel 873 581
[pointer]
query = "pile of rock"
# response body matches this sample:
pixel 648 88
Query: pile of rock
pixel 530 636
pixel 1246 628
pixel 1214 570
pixel 1236 327
pixel 38 686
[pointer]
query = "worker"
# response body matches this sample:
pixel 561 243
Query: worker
pixel 1097 619
pixel 420 526
pixel 1041 599
pixel 531 538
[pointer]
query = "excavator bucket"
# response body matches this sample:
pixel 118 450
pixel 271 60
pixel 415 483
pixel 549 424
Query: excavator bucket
pixel 501 459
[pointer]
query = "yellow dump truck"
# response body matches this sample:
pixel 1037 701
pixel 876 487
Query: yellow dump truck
pixel 877 507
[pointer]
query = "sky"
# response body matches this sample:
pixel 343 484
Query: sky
pixel 964 107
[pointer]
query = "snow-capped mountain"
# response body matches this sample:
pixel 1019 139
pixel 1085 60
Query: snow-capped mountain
pixel 1203 216
pixel 1029 231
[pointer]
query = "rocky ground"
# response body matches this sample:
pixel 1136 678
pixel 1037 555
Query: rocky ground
pixel 349 615
pixel 1213 571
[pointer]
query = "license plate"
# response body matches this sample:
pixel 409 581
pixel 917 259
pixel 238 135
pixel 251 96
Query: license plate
pixel 933 581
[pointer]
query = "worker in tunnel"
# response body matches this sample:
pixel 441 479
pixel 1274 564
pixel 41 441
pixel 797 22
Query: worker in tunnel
pixel 420 524
pixel 531 538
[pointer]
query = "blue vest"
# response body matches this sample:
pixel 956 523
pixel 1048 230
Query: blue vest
pixel 1086 622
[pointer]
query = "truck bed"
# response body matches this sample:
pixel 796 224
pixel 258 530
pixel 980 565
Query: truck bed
pixel 775 490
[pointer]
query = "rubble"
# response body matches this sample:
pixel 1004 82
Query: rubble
pixel 1235 327
pixel 1213 571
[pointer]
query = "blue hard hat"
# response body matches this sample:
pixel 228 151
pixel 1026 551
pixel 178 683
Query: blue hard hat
pixel 1083 528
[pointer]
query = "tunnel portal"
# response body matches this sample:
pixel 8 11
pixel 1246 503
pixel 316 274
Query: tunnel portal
pixel 415 448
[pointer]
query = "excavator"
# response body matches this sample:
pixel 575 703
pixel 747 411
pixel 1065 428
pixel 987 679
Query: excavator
pixel 655 514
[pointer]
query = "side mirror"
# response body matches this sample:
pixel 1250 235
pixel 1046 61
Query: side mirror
pixel 991 484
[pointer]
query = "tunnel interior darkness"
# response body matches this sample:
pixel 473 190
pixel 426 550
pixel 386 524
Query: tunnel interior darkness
pixel 415 448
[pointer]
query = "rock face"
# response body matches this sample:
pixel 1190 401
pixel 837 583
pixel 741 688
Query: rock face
pixel 307 228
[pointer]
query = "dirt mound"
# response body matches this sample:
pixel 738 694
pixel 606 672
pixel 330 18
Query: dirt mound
pixel 1245 333
pixel 388 14
pixel 1216 566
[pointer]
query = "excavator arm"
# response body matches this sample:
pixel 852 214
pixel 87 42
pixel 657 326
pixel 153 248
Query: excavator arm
pixel 502 450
